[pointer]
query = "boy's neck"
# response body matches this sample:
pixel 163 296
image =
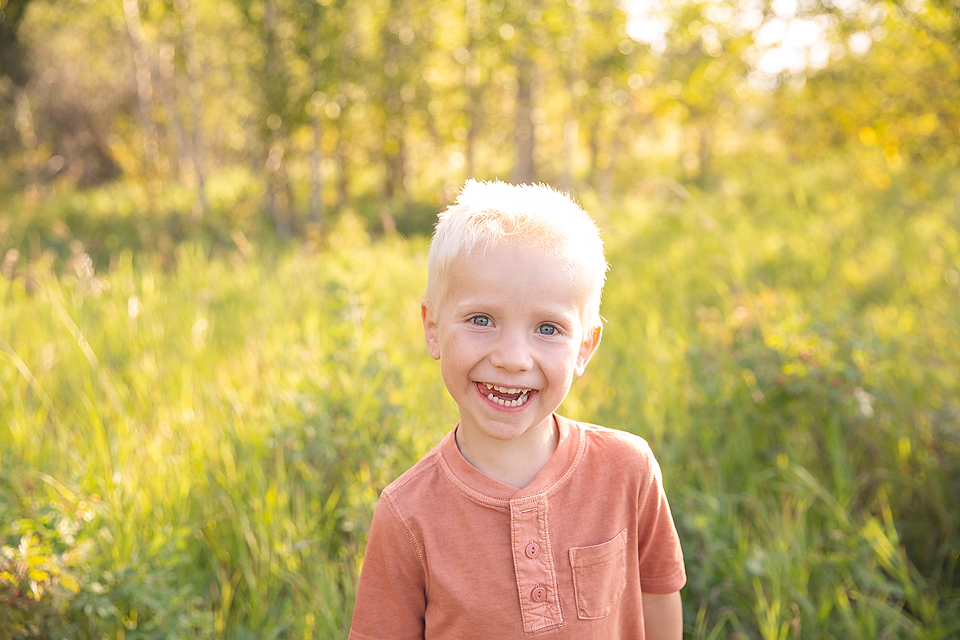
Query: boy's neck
pixel 514 462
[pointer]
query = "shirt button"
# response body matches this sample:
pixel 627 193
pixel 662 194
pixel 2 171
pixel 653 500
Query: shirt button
pixel 532 550
pixel 539 594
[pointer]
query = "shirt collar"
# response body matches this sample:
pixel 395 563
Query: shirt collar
pixel 485 489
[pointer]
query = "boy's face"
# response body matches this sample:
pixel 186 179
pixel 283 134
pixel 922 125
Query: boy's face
pixel 510 340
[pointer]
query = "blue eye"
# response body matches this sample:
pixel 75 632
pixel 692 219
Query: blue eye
pixel 480 321
pixel 547 330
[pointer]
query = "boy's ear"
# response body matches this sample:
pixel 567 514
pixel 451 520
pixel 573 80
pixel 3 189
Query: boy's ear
pixel 430 330
pixel 589 345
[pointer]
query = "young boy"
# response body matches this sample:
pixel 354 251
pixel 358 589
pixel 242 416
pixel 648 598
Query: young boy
pixel 520 522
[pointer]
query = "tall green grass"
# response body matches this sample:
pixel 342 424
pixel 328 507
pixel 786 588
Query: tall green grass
pixel 233 420
pixel 194 447
pixel 793 355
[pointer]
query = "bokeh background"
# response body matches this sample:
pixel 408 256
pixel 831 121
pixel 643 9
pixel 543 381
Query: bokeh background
pixel 213 223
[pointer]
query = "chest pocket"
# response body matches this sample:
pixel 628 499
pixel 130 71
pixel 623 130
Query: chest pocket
pixel 599 576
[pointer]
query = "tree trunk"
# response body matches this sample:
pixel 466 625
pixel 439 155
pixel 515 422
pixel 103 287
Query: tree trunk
pixel 471 77
pixel 609 169
pixel 571 127
pixel 191 65
pixel 141 65
pixel 593 144
pixel 343 174
pixel 28 137
pixel 523 131
pixel 395 189
pixel 278 200
pixel 704 133
pixel 316 213
pixel 570 130
pixel 394 116
pixel 166 86
pixel 11 53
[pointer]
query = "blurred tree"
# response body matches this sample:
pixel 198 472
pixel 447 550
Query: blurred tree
pixel 143 75
pixel 57 122
pixel 524 37
pixel 13 77
pixel 488 81
pixel 191 145
pixel 895 89
pixel 341 77
pixel 12 13
pixel 473 78
pixel 603 57
pixel 570 25
pixel 396 102
pixel 274 127
pixel 282 88
pixel 694 78
pixel 396 89
pixel 327 31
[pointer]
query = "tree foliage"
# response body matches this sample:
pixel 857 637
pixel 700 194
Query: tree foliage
pixel 328 103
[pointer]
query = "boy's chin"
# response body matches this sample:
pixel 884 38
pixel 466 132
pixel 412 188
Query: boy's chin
pixel 507 427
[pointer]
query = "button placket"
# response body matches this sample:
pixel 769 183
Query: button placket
pixel 534 564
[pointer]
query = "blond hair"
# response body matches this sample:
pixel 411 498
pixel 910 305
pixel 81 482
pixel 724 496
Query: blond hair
pixel 548 222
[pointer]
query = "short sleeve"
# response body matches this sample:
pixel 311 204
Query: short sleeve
pixel 391 597
pixel 661 557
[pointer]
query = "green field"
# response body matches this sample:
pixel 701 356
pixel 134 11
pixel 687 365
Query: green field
pixel 193 442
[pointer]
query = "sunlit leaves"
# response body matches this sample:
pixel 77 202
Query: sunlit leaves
pixel 342 101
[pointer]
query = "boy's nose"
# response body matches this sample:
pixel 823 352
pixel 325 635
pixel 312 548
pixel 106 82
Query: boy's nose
pixel 512 352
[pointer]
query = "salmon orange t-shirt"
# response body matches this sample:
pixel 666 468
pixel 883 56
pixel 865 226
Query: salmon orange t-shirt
pixel 455 554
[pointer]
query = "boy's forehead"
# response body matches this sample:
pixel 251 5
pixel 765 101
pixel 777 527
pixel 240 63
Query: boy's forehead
pixel 521 256
pixel 517 260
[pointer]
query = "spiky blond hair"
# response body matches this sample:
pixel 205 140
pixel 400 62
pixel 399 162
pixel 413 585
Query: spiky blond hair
pixel 534 216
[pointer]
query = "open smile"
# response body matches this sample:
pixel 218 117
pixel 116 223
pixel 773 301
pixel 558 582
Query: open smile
pixel 505 396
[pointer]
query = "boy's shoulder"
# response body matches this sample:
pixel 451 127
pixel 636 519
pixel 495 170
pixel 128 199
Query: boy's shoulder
pixel 614 442
pixel 618 453
pixel 424 471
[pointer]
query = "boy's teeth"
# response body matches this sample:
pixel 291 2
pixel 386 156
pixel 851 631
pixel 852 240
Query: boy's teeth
pixel 510 403
pixel 505 389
